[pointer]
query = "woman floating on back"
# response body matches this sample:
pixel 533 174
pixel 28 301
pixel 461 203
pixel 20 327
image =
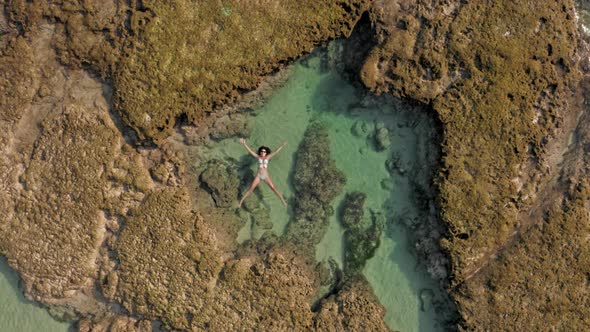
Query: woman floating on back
pixel 263 156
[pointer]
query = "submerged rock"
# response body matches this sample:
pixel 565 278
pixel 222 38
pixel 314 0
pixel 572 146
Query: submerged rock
pixel 352 211
pixel 426 298
pixel 382 139
pixel 317 182
pixel 261 218
pixel 230 126
pixel 360 129
pixel 362 237
pixel 252 203
pixel 387 184
pixel 222 182
pixel 396 164
pixel 329 273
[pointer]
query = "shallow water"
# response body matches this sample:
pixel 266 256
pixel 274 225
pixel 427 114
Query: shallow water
pixel 19 314
pixel 316 92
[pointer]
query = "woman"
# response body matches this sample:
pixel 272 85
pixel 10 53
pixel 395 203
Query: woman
pixel 263 157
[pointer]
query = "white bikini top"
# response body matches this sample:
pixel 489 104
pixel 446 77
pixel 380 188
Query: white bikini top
pixel 262 163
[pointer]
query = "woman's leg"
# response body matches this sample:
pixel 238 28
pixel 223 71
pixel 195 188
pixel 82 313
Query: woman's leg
pixel 272 186
pixel 252 186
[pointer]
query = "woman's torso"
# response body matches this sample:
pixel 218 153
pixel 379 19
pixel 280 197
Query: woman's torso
pixel 262 166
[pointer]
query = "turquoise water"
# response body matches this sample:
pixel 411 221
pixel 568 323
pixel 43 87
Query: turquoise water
pixel 314 92
pixel 19 314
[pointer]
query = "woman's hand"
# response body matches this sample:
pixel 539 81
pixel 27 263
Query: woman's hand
pixel 284 143
pixel 242 141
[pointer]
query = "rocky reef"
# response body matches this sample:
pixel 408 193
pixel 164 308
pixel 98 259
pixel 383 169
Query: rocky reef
pixel 496 76
pixel 222 181
pixel 544 275
pixel 100 222
pixel 171 59
pixel 103 223
pixel 500 77
pixel 353 308
pixel 362 237
pixel 317 182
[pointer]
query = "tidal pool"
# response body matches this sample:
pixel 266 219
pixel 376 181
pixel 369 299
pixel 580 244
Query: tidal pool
pixel 315 91
pixel 19 314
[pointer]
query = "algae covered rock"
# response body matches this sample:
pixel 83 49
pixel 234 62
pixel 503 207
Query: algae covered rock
pixel 57 216
pixel 352 210
pixel 261 218
pixel 171 59
pixel 382 139
pixel 166 256
pixel 396 165
pixel 317 182
pixel 361 237
pixel 497 75
pixel 222 181
pixel 352 308
pixel 315 173
pixel 329 272
pixel 225 51
pixel 265 288
pixel 230 126
pixel 540 282
pixel 361 129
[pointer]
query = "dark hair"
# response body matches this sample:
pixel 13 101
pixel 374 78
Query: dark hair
pixel 265 148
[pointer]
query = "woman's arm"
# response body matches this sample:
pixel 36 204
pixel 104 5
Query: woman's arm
pixel 243 142
pixel 276 151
